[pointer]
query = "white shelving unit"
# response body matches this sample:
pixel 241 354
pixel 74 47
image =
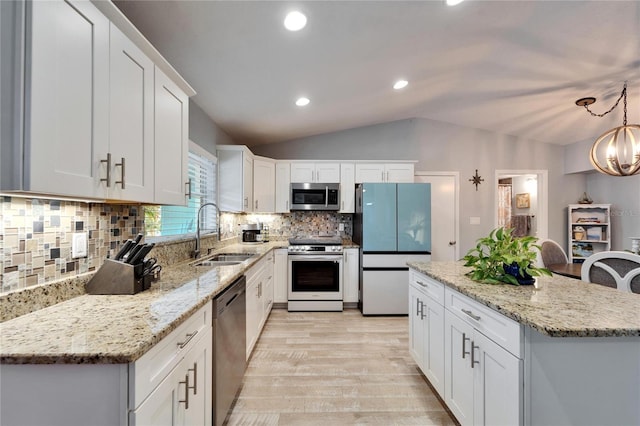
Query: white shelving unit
pixel 589 230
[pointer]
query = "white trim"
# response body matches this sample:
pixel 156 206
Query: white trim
pixel 456 177
pixel 543 198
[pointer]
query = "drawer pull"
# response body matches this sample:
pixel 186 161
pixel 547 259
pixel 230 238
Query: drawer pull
pixel 471 314
pixel 190 336
pixel 108 178
pixel 121 165
pixel 473 355
pixel 186 392
pixel 464 350
pixel 422 284
pixel 195 378
pixel 418 306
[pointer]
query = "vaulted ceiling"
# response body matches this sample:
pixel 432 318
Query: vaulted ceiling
pixel 511 67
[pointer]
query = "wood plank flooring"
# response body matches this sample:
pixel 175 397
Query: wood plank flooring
pixel 335 368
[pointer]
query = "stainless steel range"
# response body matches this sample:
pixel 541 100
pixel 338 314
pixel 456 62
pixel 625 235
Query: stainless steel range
pixel 315 274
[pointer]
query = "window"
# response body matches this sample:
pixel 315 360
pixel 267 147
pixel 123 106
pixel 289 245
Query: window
pixel 167 221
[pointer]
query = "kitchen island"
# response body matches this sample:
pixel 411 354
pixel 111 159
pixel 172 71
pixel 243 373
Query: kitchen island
pixel 99 359
pixel 561 351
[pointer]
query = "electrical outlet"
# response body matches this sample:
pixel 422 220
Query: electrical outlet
pixel 341 227
pixel 79 245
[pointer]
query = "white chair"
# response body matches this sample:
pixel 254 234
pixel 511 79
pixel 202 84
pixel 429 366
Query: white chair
pixel 617 269
pixel 551 253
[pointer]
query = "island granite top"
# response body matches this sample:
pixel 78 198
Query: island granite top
pixel 116 329
pixel 556 306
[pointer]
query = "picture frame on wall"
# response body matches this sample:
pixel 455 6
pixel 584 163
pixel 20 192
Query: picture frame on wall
pixel 522 201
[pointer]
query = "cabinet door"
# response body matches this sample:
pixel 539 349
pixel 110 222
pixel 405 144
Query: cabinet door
pixel 247 179
pixel 399 172
pixel 283 185
pixel 351 273
pixel 263 185
pixel 69 99
pixel 131 139
pixel 328 172
pixel 433 344
pixel 280 276
pixel 161 407
pixel 459 376
pixel 370 173
pixel 416 325
pixel 303 172
pixel 253 313
pixel 198 364
pixel 347 188
pixel 171 141
pixel 497 375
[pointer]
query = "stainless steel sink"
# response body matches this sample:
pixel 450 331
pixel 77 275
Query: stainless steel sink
pixel 224 259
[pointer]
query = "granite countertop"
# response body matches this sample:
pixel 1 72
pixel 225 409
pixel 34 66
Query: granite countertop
pixel 556 306
pixel 115 329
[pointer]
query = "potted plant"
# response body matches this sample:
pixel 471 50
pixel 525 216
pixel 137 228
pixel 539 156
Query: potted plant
pixel 502 258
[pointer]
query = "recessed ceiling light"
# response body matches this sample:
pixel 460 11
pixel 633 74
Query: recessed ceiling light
pixel 295 21
pixel 454 2
pixel 400 84
pixel 302 101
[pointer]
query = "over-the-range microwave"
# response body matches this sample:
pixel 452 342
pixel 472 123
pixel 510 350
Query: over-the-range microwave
pixel 315 196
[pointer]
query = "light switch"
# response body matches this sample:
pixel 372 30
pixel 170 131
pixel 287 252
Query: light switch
pixel 474 220
pixel 79 245
pixel 341 227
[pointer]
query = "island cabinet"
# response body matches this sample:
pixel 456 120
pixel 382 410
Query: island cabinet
pixel 426 331
pixel 482 377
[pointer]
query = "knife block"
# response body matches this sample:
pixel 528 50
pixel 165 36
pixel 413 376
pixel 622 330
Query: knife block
pixel 115 277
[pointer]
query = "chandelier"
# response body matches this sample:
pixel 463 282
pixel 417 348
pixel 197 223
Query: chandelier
pixel 617 151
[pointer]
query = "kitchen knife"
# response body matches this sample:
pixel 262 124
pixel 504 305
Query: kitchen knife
pixel 125 248
pixel 140 254
pixel 138 238
pixel 133 252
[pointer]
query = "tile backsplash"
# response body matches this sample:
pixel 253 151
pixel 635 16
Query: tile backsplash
pixel 36 236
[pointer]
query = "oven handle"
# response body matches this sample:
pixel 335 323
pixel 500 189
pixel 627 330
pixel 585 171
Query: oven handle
pixel 304 257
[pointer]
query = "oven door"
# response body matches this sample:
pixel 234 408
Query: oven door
pixel 315 277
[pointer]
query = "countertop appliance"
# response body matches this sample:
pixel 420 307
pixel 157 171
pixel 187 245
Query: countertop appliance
pixel 392 226
pixel 251 233
pixel 315 274
pixel 315 196
pixel 229 347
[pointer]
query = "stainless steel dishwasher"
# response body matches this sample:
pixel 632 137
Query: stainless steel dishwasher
pixel 229 347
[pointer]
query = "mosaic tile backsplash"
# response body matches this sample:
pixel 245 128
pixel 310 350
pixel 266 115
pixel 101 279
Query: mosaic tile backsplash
pixel 36 235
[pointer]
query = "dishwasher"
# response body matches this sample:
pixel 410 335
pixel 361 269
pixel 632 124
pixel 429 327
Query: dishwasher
pixel 229 347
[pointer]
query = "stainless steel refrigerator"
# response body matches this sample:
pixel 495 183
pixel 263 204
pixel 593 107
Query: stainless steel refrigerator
pixel 392 226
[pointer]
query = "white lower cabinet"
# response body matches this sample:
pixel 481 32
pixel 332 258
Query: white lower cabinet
pixel 351 275
pixel 172 383
pixel 280 276
pixel 471 354
pixel 260 291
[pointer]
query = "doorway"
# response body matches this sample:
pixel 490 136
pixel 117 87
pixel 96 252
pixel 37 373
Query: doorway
pixel 444 213
pixel 521 201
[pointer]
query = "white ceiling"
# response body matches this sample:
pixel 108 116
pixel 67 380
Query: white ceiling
pixel 511 67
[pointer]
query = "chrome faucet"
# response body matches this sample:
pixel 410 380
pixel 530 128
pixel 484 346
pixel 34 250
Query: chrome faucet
pixel 196 252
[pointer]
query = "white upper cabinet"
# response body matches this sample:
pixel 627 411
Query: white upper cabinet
pixel 304 172
pixel 171 142
pixel 66 105
pixel 235 178
pixel 347 188
pixel 264 181
pixel 131 141
pixel 384 172
pixel 283 184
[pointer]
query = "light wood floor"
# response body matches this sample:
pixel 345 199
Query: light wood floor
pixel 335 368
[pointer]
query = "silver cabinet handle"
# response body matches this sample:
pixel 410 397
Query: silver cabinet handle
pixel 471 314
pixel 121 165
pixel 464 350
pixel 473 356
pixel 195 378
pixel 190 336
pixel 383 176
pixel 326 196
pixel 418 310
pixel 342 208
pixel 422 284
pixel 287 205
pixel 256 202
pixel 186 392
pixel 108 178
pixel 422 314
pixel 188 194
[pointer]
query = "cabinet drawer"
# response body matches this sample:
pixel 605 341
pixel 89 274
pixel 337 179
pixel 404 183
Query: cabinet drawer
pixel 497 327
pixel 148 372
pixel 428 286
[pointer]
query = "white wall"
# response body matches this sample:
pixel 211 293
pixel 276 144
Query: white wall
pixel 439 146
